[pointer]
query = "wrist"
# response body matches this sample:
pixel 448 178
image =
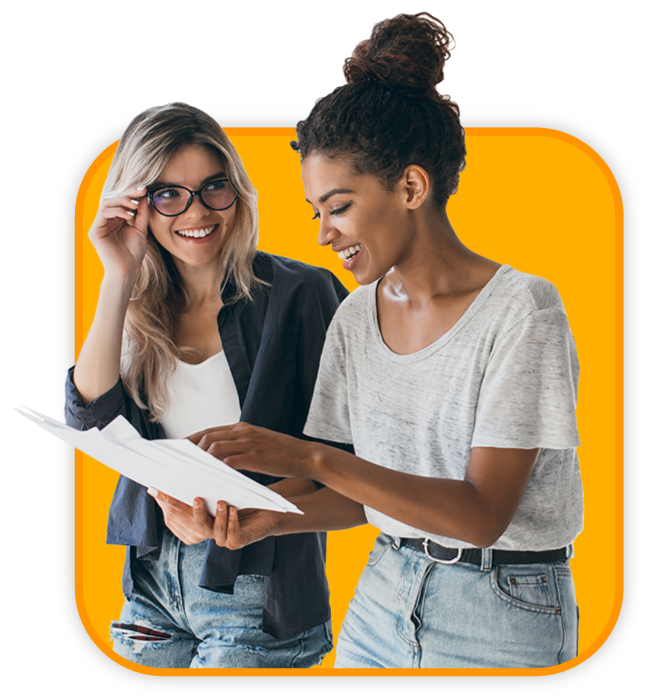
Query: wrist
pixel 318 461
pixel 118 287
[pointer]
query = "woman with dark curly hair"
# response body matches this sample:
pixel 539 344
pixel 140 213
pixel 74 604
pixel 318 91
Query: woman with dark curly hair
pixel 453 376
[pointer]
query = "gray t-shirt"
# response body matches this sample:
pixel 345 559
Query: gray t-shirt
pixel 505 375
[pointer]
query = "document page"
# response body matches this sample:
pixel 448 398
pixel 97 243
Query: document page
pixel 176 467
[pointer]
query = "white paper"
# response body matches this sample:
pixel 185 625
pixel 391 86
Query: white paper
pixel 176 467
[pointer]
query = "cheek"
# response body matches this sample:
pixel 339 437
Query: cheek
pixel 159 231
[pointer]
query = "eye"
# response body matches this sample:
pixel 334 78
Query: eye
pixel 216 186
pixel 170 193
pixel 340 210
pixel 335 212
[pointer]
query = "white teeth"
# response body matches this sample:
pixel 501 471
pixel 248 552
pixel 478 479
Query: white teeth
pixel 348 253
pixel 196 232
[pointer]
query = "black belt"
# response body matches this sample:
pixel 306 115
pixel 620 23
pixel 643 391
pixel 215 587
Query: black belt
pixel 446 555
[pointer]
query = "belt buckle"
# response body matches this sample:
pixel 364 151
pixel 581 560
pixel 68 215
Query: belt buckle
pixel 426 543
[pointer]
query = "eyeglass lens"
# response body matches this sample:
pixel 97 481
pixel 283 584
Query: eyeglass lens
pixel 171 201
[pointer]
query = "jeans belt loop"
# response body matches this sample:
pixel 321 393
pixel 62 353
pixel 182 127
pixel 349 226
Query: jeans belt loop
pixel 487 559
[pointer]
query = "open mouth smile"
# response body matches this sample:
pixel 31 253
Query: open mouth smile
pixel 349 253
pixel 196 232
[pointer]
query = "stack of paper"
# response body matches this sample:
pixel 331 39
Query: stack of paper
pixel 176 467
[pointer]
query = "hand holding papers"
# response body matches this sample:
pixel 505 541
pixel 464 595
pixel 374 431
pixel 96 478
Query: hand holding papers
pixel 176 467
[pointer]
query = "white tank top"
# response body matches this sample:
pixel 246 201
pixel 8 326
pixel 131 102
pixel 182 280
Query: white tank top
pixel 201 396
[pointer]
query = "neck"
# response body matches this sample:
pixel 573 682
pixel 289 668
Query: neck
pixel 437 263
pixel 202 284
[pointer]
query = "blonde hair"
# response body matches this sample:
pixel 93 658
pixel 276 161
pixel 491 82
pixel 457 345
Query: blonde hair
pixel 159 295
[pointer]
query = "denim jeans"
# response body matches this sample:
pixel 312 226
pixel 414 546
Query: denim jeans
pixel 410 612
pixel 170 622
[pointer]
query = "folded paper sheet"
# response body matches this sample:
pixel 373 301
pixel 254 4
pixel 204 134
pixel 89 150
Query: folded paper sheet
pixel 176 467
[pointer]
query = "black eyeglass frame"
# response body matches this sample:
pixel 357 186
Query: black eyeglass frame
pixel 151 199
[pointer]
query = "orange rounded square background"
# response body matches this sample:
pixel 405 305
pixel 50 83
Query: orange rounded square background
pixel 538 199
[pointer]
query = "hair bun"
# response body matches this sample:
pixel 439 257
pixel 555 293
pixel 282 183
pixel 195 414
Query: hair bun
pixel 407 51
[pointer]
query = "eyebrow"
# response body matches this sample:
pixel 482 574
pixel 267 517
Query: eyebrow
pixel 337 190
pixel 211 178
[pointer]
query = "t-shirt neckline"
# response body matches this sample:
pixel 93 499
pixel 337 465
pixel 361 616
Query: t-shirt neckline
pixel 472 310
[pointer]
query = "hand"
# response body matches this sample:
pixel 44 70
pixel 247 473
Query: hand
pixel 179 518
pixel 119 232
pixel 232 528
pixel 248 447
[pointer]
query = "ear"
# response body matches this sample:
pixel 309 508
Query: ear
pixel 415 184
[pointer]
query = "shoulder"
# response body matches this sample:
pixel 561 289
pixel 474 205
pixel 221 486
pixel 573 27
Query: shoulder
pixel 519 295
pixel 294 276
pixel 356 306
pixel 536 292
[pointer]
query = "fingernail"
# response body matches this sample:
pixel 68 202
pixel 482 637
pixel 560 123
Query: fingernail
pixel 219 507
pixel 153 492
pixel 196 505
pixel 233 510
pixel 135 201
pixel 141 188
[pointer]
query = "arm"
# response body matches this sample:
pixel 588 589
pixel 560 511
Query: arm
pixel 323 510
pixel 476 509
pixel 193 524
pixel 119 237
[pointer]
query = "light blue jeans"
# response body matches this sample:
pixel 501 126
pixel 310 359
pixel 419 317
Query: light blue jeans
pixel 171 622
pixel 410 612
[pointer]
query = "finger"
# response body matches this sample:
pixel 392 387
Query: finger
pixel 222 431
pixel 142 216
pixel 165 498
pixel 136 192
pixel 124 201
pixel 220 523
pixel 118 213
pixel 233 529
pixel 201 517
pixel 157 495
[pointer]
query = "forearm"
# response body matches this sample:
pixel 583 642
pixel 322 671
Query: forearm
pixel 293 487
pixel 442 506
pixel 324 509
pixel 476 509
pixel 98 366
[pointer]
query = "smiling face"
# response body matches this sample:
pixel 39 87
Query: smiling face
pixel 196 237
pixel 370 228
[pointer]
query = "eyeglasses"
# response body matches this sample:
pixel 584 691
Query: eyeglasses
pixel 173 201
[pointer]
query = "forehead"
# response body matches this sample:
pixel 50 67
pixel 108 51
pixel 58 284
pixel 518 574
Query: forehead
pixel 322 174
pixel 191 165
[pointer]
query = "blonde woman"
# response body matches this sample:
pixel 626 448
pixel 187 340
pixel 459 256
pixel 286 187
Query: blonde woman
pixel 195 328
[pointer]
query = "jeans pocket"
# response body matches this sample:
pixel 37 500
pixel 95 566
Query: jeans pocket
pixel 382 544
pixel 531 587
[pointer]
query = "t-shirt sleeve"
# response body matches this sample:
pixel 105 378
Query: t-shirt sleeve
pixel 529 391
pixel 329 417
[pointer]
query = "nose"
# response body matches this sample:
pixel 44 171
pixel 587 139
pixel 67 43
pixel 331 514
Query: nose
pixel 197 206
pixel 326 233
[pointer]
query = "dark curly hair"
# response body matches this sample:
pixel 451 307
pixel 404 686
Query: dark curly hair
pixel 389 114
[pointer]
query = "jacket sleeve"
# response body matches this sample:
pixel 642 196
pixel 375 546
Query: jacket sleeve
pixel 102 411
pixel 96 414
